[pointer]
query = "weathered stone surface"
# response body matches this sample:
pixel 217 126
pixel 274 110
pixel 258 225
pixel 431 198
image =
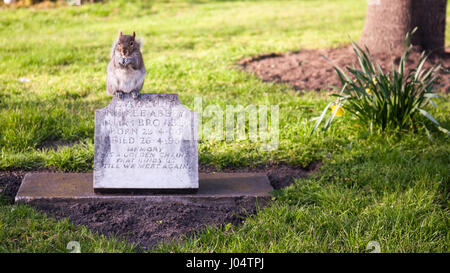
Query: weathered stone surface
pixel 76 187
pixel 145 144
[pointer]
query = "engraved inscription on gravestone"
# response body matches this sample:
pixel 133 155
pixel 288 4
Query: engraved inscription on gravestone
pixel 146 144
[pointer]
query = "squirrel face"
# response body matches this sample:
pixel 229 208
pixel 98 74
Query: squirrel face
pixel 127 45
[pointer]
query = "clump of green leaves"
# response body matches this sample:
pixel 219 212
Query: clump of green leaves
pixel 392 100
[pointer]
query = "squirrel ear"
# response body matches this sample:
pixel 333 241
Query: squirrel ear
pixel 134 35
pixel 120 33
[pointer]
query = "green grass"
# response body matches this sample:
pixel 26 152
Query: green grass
pixel 24 230
pixel 393 193
pixel 387 187
pixel 188 49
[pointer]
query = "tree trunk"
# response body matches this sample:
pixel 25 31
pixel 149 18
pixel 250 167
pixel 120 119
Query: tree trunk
pixel 388 21
pixel 430 19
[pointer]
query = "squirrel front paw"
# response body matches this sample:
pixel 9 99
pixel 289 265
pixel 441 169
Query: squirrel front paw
pixel 119 94
pixel 135 94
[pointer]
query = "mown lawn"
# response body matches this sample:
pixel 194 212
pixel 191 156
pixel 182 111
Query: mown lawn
pixel 387 187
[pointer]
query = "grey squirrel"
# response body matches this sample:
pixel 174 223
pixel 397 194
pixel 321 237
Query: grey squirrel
pixel 126 70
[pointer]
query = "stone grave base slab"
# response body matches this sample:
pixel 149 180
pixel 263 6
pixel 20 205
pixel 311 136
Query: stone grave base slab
pixel 78 187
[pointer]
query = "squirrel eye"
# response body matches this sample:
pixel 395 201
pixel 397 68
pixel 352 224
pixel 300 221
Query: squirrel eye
pixel 131 43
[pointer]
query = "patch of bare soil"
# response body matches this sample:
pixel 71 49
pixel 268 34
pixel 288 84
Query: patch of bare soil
pixel 308 70
pixel 9 184
pixel 147 224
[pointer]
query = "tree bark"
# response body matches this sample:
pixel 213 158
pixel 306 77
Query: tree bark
pixel 388 21
pixel 430 19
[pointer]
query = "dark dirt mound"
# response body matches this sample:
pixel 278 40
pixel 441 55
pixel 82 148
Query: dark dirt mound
pixel 147 223
pixel 9 184
pixel 284 176
pixel 308 70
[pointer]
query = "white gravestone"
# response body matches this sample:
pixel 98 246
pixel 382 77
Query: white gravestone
pixel 146 144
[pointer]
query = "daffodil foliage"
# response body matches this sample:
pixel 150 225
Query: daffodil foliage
pixel 386 100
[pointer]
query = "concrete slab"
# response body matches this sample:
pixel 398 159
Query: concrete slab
pixel 65 187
